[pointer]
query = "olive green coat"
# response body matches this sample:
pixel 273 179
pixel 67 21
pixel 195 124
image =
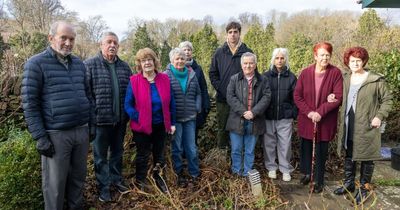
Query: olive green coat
pixel 373 100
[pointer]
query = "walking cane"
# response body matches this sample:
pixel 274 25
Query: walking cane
pixel 313 157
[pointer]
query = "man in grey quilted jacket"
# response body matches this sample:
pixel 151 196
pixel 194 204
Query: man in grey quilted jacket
pixel 107 77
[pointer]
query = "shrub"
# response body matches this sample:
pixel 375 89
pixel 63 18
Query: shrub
pixel 20 180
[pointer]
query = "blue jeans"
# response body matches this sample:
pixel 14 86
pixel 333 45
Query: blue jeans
pixel 184 141
pixel 248 141
pixel 108 171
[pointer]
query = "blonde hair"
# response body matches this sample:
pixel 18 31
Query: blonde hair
pixel 146 52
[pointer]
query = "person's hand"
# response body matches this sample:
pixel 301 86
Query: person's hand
pixel 310 115
pixel 45 147
pixel 316 117
pixel 331 98
pixel 248 115
pixel 173 129
pixel 376 122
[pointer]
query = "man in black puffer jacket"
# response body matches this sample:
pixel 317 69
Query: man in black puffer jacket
pixel 107 77
pixel 57 112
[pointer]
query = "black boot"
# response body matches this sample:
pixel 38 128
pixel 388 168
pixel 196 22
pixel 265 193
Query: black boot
pixel 318 188
pixel 349 174
pixel 159 179
pixel 182 180
pixel 305 179
pixel 367 169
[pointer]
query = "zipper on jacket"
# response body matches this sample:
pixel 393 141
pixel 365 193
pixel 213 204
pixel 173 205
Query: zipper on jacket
pixel 278 102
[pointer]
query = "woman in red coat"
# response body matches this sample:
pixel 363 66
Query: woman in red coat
pixel 314 85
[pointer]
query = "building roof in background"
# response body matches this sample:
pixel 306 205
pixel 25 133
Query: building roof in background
pixel 380 4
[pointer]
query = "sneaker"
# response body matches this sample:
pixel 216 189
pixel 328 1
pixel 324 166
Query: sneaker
pixel 121 187
pixel 105 195
pixel 286 177
pixel 160 182
pixel 272 174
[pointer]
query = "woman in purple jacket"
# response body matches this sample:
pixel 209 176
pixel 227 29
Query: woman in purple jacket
pixel 313 86
pixel 151 108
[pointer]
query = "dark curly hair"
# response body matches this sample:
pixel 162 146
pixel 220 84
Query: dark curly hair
pixel 357 52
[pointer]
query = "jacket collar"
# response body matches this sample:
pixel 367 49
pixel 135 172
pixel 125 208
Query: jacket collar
pixel 242 49
pixel 191 72
pixel 100 55
pixel 53 53
pixel 194 64
pixel 274 72
pixel 372 76
pixel 257 76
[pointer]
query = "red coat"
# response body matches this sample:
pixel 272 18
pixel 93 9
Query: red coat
pixel 305 96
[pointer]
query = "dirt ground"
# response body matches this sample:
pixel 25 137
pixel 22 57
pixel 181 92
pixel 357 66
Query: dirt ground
pixel 384 197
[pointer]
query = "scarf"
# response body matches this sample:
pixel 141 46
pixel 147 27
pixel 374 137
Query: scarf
pixel 234 48
pixel 181 76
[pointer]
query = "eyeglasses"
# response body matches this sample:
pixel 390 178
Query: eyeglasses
pixel 146 60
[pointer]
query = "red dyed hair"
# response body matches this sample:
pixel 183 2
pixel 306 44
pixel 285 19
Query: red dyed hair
pixel 325 45
pixel 357 52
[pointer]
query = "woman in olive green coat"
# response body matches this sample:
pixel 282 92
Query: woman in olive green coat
pixel 366 103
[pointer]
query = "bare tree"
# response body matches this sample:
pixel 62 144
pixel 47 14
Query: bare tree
pixel 45 11
pixel 2 15
pixel 94 28
pixel 34 14
pixel 208 19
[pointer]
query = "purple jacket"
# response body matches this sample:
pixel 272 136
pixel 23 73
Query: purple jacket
pixel 305 96
pixel 141 90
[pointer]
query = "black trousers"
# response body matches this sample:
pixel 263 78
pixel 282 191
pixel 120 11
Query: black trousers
pixel 146 144
pixel 350 133
pixel 349 143
pixel 321 153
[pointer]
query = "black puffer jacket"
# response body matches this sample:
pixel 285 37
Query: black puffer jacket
pixel 282 85
pixel 98 79
pixel 237 99
pixel 54 97
pixel 205 98
pixel 223 66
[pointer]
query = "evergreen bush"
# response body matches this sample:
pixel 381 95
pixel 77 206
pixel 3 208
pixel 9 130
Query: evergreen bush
pixel 20 180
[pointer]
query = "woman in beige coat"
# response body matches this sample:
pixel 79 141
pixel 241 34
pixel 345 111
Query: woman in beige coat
pixel 366 103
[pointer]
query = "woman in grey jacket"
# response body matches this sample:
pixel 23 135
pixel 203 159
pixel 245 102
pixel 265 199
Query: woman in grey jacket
pixel 248 97
pixel 187 94
pixel 367 102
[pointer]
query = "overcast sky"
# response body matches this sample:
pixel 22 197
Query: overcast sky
pixel 117 13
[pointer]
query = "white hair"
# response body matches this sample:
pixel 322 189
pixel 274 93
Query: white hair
pixel 248 54
pixel 186 44
pixel 285 53
pixel 108 33
pixel 54 26
pixel 174 52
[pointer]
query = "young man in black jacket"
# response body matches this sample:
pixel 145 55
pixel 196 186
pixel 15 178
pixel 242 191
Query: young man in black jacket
pixel 224 64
